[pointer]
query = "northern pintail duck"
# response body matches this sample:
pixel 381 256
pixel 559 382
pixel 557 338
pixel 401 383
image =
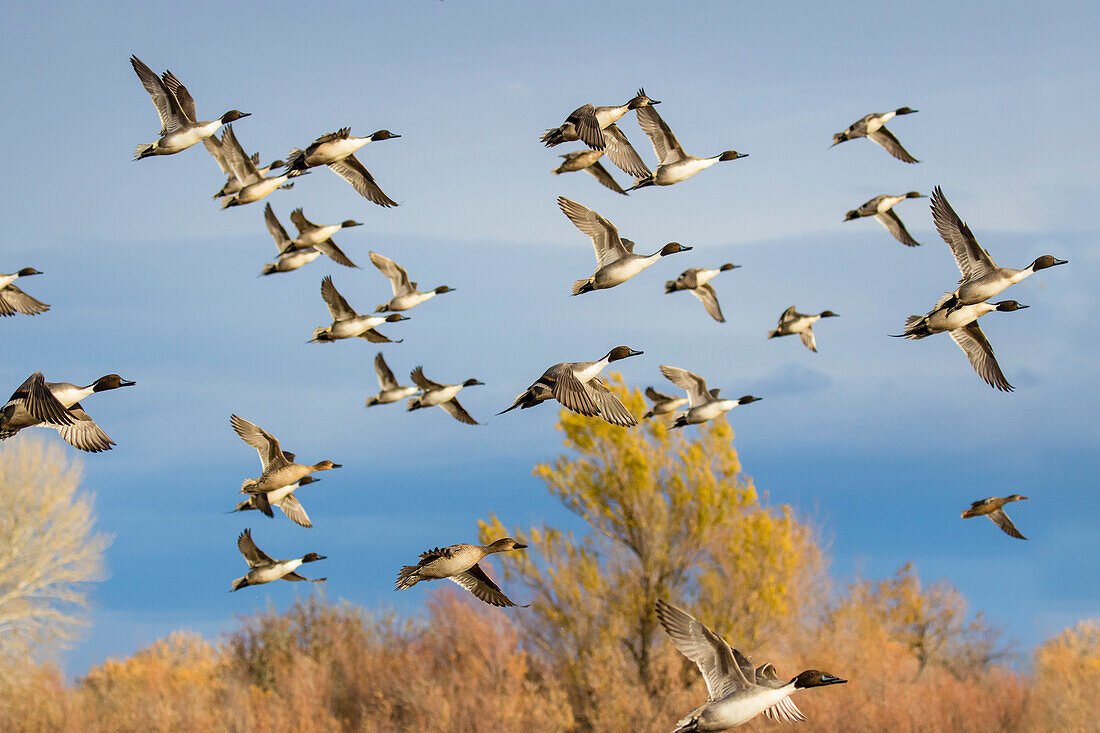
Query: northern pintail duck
pixel 873 127
pixel 589 161
pixel 736 693
pixel 279 469
pixel 388 388
pixel 981 278
pixel 319 237
pixel 675 164
pixel 993 508
pixel 13 300
pixel 178 128
pixel 57 405
pixel 792 322
pixel 459 564
pixel 346 323
pixel 434 393
pixel 703 404
pixel 882 208
pixel 253 185
pixel 962 325
pixel 696 280
pixel 615 259
pixel 336 150
pixel 290 258
pixel 578 387
pixel 214 146
pixel 596 128
pixel 283 498
pixel 405 293
pixel 264 568
pixel 662 403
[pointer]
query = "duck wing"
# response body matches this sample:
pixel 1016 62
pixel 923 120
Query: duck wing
pixel 239 162
pixel 338 308
pixel 1001 520
pixel 376 337
pixel 973 261
pixel 693 384
pixel 706 295
pixel 254 556
pixel 179 91
pixel 458 412
pixel 808 339
pixel 386 380
pixel 83 434
pixel 301 223
pixel 665 144
pixel 397 275
pixel 893 225
pixel 278 233
pixel 328 247
pixel 37 399
pixel 481 585
pixel 570 391
pixel 600 174
pixel 292 575
pixel 587 126
pixel 656 396
pixel 710 652
pixel 605 237
pixel 418 378
pixel 975 345
pixel 168 108
pixel 293 510
pixel 611 409
pixel 886 139
pixel 213 145
pixel 788 315
pixel 13 299
pixel 266 444
pixel 619 150
pixel 352 171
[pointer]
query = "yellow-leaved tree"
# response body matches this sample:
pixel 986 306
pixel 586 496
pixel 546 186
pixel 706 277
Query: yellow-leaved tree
pixel 670 515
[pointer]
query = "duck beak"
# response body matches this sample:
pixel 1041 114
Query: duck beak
pixel 125 383
pixel 337 465
pixel 520 547
pixel 1061 262
pixel 828 679
pixel 635 353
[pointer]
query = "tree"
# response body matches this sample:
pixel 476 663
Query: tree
pixel 48 548
pixel 671 516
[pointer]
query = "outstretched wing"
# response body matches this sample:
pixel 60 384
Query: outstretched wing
pixel 693 384
pixel 352 171
pixel 282 239
pixel 395 273
pixel 418 378
pixel 253 555
pixel 1001 520
pixel 886 139
pixel 893 225
pixel 481 585
pixel 975 345
pixel 266 444
pixel 623 154
pixel 611 409
pixel 605 237
pixel 12 299
pixel 386 380
pixel 714 657
pixel 168 108
pixel 458 412
pixel 665 144
pixel 83 433
pixel 972 260
pixel 338 308
pixel 706 295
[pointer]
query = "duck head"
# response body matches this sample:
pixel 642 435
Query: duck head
pixel 815 678
pixel 1016 497
pixel 621 352
pixel 350 223
pixel 915 195
pixel 326 465
pixel 110 381
pixel 506 543
pixel 828 314
pixel 747 399
pixel 732 155
pixel 672 248
pixel 443 289
pixel 27 272
pixel 234 114
pixel 1010 305
pixel 395 317
pixel 641 100
pixel 312 557
pixel 1042 263
pixel 471 382
pixel 905 111
pixel 382 135
pixel 728 266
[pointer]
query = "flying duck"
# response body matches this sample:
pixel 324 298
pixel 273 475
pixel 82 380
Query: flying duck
pixel 734 693
pixel 873 127
pixel 596 128
pixel 676 165
pixel 993 508
pixel 589 161
pixel 703 404
pixel 264 569
pixel 434 393
pixel 178 128
pixel 459 563
pixel 57 405
pixel 405 293
pixel 283 498
pixel 346 323
pixel 696 280
pixel 319 237
pixel 388 388
pixel 214 146
pixel 615 259
pixel 336 150
pixel 13 300
pixel 792 322
pixel 882 208
pixel 253 185
pixel 290 258
pixel 577 386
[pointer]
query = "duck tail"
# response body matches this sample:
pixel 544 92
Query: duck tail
pixel 916 327
pixel 553 137
pixel 648 415
pixel 268 269
pixel 643 182
pixel 321 336
pixel 772 334
pixel 407 577
pixel 144 150
pixel 690 724
pixel 670 286
pixel 295 160
pixel 681 422
pixel 582 286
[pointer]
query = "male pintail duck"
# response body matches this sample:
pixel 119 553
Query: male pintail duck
pixel 388 388
pixel 290 258
pixel 696 280
pixel 662 403
pixel 57 405
pixel 178 128
pixel 993 508
pixel 346 323
pixel 615 259
pixel 792 322
pixel 405 293
pixel 735 692
pixel 578 387
pixel 676 165
pixel 703 404
pixel 596 128
pixel 336 150
pixel 264 569
pixel 589 161
pixel 319 237
pixel 283 498
pixel 981 278
pixel 882 208
pixel 13 300
pixel 962 325
pixel 872 126
pixel 459 563
pixel 253 185
pixel 434 393
pixel 214 146
pixel 279 469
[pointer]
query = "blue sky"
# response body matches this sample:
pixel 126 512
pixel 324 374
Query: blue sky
pixel 881 441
